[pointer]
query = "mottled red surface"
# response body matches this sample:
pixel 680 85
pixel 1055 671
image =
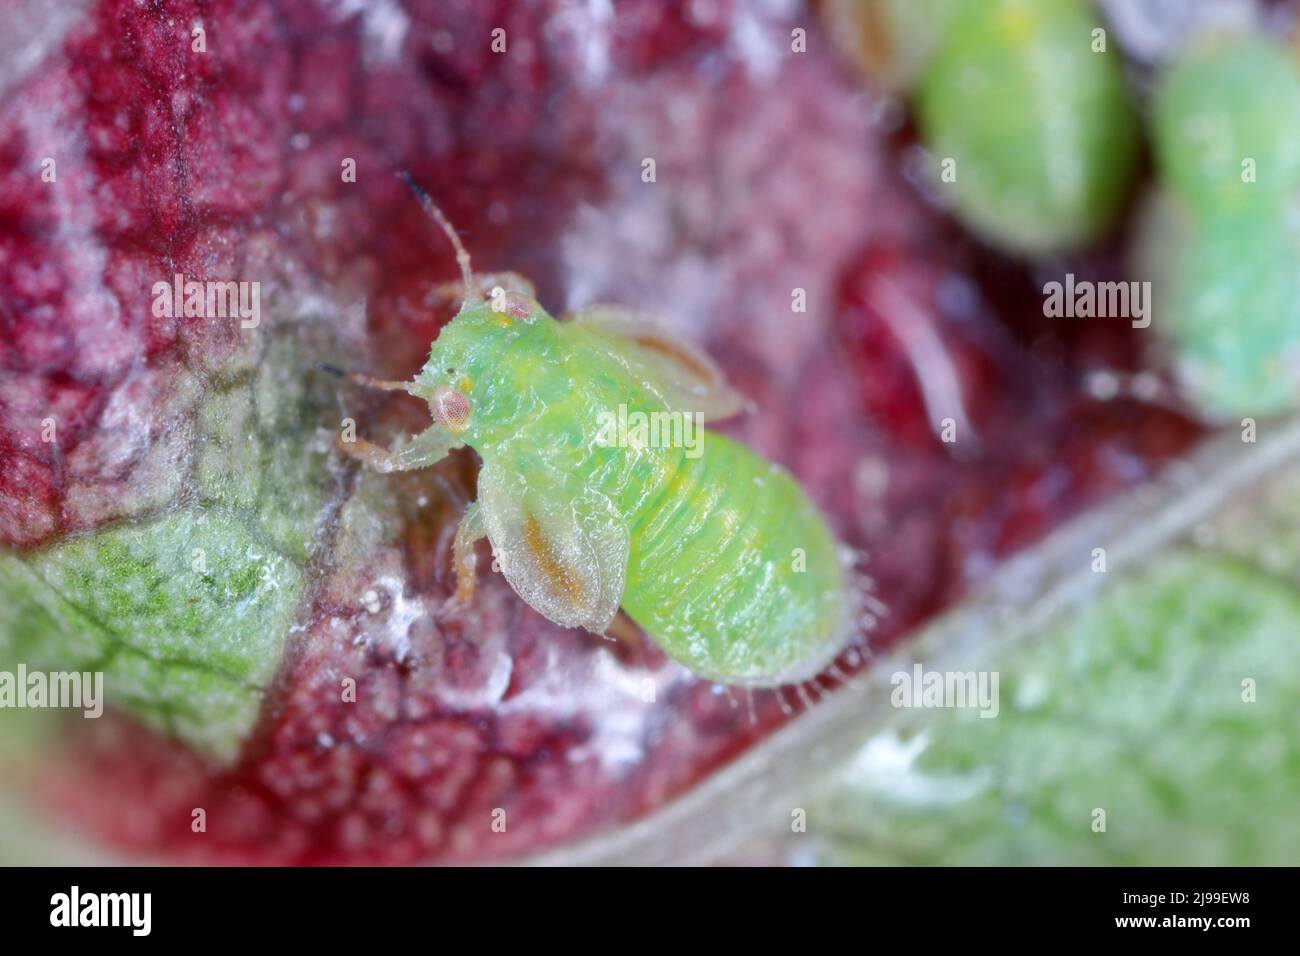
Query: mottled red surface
pixel 775 171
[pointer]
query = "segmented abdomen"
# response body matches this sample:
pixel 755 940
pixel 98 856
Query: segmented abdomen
pixel 732 569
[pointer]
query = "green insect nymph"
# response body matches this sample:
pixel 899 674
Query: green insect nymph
pixel 716 553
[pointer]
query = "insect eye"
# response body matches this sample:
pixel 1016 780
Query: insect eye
pixel 450 408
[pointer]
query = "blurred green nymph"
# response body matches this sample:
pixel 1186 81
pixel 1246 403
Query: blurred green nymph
pixel 1027 106
pixel 1227 142
pixel 1227 126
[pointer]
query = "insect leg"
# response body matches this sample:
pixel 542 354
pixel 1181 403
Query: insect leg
pixel 622 628
pixel 426 448
pixel 470 531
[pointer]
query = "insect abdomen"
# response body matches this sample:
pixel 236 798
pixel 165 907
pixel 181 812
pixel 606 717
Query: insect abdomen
pixel 733 571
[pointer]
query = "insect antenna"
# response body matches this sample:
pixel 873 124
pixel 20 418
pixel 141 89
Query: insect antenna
pixel 436 214
pixel 365 380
